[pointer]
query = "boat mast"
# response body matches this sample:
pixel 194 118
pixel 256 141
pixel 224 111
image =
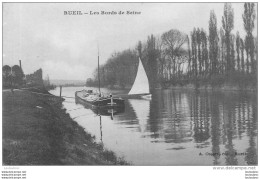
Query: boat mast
pixel 98 73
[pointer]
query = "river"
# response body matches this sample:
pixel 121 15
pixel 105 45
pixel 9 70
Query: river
pixel 176 127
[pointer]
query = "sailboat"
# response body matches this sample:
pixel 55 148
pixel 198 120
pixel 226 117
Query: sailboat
pixel 98 100
pixel 140 88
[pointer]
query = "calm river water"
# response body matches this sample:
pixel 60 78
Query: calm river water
pixel 176 127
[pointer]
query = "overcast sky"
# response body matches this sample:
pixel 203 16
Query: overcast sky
pixel 65 47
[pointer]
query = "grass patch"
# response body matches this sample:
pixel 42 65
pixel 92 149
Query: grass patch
pixel 38 131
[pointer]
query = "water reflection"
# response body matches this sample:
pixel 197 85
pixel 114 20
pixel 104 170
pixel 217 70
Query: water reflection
pixel 178 128
pixel 141 108
pixel 199 106
pixel 101 112
pixel 101 134
pixel 107 112
pixel 224 123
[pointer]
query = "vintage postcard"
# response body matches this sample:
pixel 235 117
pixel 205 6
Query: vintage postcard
pixel 132 84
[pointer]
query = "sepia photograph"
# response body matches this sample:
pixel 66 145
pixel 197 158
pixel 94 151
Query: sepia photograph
pixel 132 84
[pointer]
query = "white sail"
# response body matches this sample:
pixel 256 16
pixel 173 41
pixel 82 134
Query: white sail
pixel 141 84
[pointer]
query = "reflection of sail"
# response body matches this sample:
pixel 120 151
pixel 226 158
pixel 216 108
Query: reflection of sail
pixel 141 108
pixel 141 84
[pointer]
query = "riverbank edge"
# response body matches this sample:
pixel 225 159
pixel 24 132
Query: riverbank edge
pixel 37 130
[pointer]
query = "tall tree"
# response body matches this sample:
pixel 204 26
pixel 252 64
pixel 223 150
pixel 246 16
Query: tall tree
pixel 232 52
pixel 172 41
pixel 151 65
pixel 18 75
pixel 249 19
pixel 213 42
pixel 204 46
pixel 194 53
pixel 242 49
pixel 228 25
pixel 222 51
pixel 238 50
pixel 198 39
pixel 247 48
pixel 139 49
pixel 189 61
pixel 161 59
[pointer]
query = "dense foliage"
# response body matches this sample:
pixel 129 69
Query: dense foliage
pixel 12 76
pixel 176 58
pixel 120 70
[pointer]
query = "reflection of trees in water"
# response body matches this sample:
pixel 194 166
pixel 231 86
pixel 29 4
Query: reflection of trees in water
pixel 241 120
pixel 209 118
pixel 154 122
pixel 167 116
pixel 177 127
pixel 231 117
pixel 251 157
pixel 215 127
pixel 200 117
pixel 230 126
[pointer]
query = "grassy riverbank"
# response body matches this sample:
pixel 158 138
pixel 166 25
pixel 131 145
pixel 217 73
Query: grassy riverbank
pixel 37 131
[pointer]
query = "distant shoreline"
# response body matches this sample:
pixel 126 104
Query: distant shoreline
pixel 68 82
pixel 222 88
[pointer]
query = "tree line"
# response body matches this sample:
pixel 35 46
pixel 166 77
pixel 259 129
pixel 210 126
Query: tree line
pixel 221 56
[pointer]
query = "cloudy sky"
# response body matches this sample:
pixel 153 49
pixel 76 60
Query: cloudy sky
pixel 65 46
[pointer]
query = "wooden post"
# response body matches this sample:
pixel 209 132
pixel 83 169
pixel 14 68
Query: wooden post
pixel 60 90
